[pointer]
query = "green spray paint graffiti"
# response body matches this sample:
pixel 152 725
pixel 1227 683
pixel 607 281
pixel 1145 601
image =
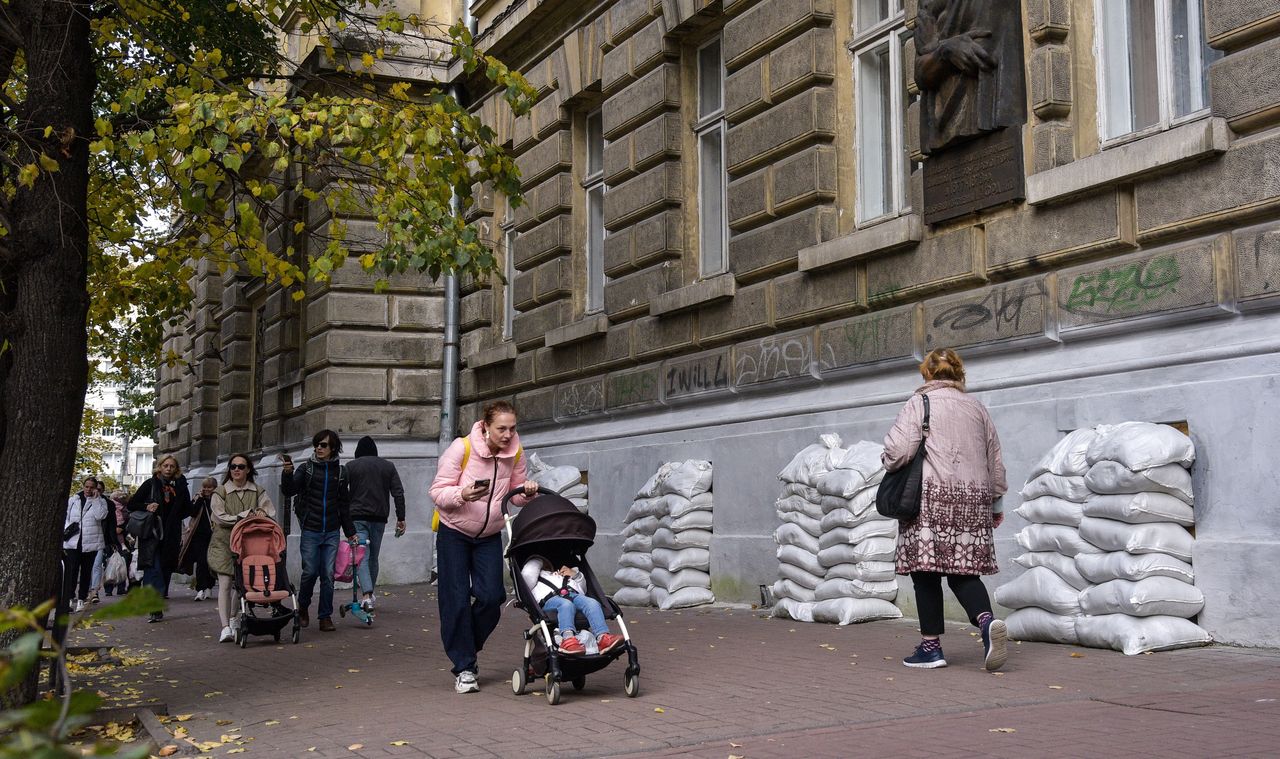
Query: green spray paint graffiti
pixel 1125 289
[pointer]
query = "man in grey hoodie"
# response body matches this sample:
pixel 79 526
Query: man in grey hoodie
pixel 374 482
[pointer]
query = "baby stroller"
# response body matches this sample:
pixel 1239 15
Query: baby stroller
pixel 550 526
pixel 261 581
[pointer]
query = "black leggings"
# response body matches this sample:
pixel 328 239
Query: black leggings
pixel 77 570
pixel 969 590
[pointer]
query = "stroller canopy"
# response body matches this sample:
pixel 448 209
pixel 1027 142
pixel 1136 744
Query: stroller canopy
pixel 257 536
pixel 550 526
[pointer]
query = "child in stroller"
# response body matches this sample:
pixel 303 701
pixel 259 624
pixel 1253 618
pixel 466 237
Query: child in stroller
pixel 561 593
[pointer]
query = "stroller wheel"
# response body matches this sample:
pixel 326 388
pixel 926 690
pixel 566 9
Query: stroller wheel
pixel 297 634
pixel 553 690
pixel 579 682
pixel 244 639
pixel 277 637
pixel 342 610
pixel 518 681
pixel 631 685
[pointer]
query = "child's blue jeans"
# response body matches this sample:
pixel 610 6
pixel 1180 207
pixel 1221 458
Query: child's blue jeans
pixel 565 608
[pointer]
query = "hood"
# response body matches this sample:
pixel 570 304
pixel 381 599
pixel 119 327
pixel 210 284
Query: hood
pixel 935 385
pixel 366 447
pixel 480 447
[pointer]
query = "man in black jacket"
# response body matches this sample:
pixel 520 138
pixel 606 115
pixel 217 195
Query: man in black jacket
pixel 373 481
pixel 322 506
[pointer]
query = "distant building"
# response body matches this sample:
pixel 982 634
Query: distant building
pixel 131 462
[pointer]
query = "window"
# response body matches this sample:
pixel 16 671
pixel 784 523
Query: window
pixel 1153 62
pixel 509 274
pixel 109 428
pixel 713 227
pixel 593 184
pixel 880 81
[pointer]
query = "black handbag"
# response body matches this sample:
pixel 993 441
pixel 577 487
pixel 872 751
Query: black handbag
pixel 899 493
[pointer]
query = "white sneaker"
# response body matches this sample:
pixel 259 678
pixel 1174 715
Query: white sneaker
pixel 366 603
pixel 227 635
pixel 466 683
pixel 199 595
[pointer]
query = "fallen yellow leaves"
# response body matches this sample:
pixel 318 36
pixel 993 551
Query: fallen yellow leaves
pixel 355 747
pixel 659 710
pixel 168 750
pixel 1002 730
pixel 399 743
pixel 183 717
pixel 272 722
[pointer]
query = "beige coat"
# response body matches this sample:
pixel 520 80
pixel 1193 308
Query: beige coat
pixel 963 479
pixel 229 505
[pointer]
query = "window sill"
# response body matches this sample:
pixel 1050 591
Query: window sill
pixel 886 237
pixel 501 353
pixel 586 327
pixel 699 293
pixel 1199 139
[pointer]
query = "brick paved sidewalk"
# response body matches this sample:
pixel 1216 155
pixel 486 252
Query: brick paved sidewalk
pixel 715 683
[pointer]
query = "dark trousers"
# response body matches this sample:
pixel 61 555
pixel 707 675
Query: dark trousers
pixel 969 590
pixel 77 571
pixel 156 577
pixel 471 593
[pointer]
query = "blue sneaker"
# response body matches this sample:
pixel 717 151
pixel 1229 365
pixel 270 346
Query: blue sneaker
pixel 995 635
pixel 925 659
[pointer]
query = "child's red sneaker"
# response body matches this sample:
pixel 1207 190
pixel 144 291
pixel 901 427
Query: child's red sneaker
pixel 572 646
pixel 607 641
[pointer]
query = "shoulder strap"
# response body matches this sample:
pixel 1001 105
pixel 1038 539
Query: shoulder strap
pixel 924 426
pixel 466 451
pixel 519 450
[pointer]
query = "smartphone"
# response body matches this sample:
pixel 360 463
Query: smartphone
pixel 481 483
pixel 399 532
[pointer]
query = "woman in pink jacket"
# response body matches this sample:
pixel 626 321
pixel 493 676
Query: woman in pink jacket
pixel 959 506
pixel 474 475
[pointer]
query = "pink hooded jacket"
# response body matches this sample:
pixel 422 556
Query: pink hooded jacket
pixel 483 517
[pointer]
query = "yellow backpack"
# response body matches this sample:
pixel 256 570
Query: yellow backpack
pixel 466 456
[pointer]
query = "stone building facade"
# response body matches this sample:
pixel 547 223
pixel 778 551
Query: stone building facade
pixel 734 240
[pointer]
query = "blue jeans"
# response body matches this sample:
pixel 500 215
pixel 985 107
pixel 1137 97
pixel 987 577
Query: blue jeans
pixel 156 577
pixel 367 574
pixel 319 551
pixel 566 609
pixel 470 593
pixel 96 581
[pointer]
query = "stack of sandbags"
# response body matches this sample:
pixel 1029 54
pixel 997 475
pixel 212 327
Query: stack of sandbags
pixel 666 558
pixel 835 551
pixel 564 480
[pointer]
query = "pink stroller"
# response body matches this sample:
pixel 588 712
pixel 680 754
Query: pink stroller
pixel 262 582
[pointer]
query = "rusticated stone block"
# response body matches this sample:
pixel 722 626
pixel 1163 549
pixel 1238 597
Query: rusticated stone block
pixel 655 92
pixel 1230 24
pixel 608 350
pixel 536 406
pixel 806 297
pixel 697 376
pixel 747 312
pixel 548 116
pixel 869 340
pixel 746 91
pixel 467 383
pixel 552 197
pixel 805 118
pixel 553 364
pixel 786 358
pixel 804 179
pixel 475 310
pixel 655 336
pixel 522 294
pixel 549 156
pixel 522 136
pixel 617 69
pixel 655 142
pixel 354 421
pixel 644 195
pixel 1244 88
pixel 1048 20
pixel 575 400
pixel 627 17
pixel 544 241
pixel 633 388
pixel 346 384
pixel 513 375
pixel 617 160
pixel 803 62
pixel 1052 145
pixel 949 259
pixel 617 252
pixel 416 313
pixel 1012 312
pixel 1172 284
pixel 650 47
pixel 770 23
pixel 372 348
pixel 1257 258
pixel 554 280
pixel 415 386
pixel 1051 81
pixel 528 327
pixel 629 295
pixel 1037 238
pixel 749 201
pixel 480 203
pixel 775 247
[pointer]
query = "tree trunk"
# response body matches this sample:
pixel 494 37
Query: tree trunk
pixel 43 304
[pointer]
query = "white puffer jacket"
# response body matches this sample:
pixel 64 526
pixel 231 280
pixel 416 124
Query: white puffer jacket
pixel 90 516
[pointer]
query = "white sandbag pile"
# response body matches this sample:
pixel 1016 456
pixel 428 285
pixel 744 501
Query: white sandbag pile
pixel 835 551
pixel 564 480
pixel 1108 551
pixel 666 556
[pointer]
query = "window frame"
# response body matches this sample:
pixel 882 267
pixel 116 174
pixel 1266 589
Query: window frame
pixel 509 236
pixel 714 122
pixel 1165 95
pixel 891 31
pixel 593 181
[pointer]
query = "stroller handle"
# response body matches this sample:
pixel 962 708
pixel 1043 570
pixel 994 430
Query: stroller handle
pixel 506 499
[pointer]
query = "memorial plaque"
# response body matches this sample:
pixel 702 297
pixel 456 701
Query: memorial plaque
pixel 979 174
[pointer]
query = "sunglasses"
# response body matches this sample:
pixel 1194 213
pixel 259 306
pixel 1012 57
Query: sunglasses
pixel 237 466
pixel 322 444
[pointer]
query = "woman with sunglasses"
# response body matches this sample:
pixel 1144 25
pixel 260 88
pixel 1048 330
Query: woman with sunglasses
pixel 236 498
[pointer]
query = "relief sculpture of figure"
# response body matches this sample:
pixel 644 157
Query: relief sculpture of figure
pixel 969 69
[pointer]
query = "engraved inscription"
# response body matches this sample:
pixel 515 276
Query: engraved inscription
pixel 973 176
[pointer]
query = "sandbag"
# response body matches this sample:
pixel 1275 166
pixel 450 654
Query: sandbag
pixel 652 487
pixel 1050 510
pixel 642 560
pixel 632 596
pixel 1067 458
pixel 799 557
pixel 787 608
pixel 794 535
pixel 874 549
pixel 875 528
pixel 640 543
pixel 804 522
pixel 864 457
pixel 699 519
pixel 685 578
pixel 633 577
pixel 1153 537
pixel 679 507
pixel 806 492
pixel 1040 587
pixel 559 479
pixel 1136 635
pixel 1137 508
pixel 581 504
pixel 1142 445
pixel 809 464
pixel 784 588
pixel 574 492
pixel 685 558
pixel 840 588
pixel 683 598
pixel 665 538
pixel 830 503
pixel 844 611
pixel 1054 537
pixel 1154 596
pixel 644 526
pixel 845 518
pixel 646 507
pixel 799 576
pixel 1066 488
pixel 1114 477
pixel 1122 565
pixel 1062 565
pixel 1032 623
pixel 869 571
pixel 797 504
